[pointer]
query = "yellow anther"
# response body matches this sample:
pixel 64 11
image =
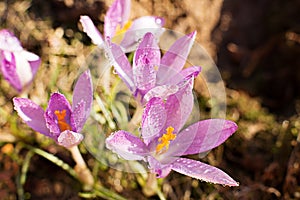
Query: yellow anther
pixel 165 139
pixel 63 125
pixel 120 32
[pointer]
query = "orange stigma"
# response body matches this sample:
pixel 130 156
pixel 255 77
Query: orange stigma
pixel 63 125
pixel 165 139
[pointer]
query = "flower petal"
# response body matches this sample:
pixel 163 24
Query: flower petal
pixel 90 29
pixel 126 145
pixel 23 68
pixel 146 60
pixel 79 116
pixel 33 59
pixel 9 69
pixel 57 102
pixel 32 114
pixel 153 120
pixel 184 75
pixel 83 91
pixel 161 170
pixel 69 138
pixel 175 58
pixel 163 92
pixel 8 41
pixel 202 136
pixel 179 106
pixel 122 66
pixel 117 15
pixel 203 172
pixel 139 28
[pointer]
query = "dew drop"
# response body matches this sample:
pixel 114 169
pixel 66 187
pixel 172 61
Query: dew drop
pixel 158 21
pixel 115 71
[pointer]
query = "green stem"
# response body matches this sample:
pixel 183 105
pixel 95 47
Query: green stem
pixel 22 178
pixel 107 115
pixel 160 194
pixel 53 159
pixel 107 194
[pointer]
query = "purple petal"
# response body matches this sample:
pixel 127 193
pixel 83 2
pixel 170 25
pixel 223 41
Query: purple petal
pixel 117 15
pixel 83 91
pixel 123 67
pixel 203 172
pixel 184 74
pixel 162 92
pixel 126 145
pixel 153 120
pixel 69 138
pixel 33 60
pixel 9 69
pixel 202 136
pixel 146 62
pixel 79 116
pixel 175 58
pixel 161 170
pixel 23 67
pixel 58 102
pixel 139 28
pixel 179 106
pixel 90 29
pixel 32 114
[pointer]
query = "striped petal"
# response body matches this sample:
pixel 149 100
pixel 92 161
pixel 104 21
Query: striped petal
pixel 203 172
pixel 175 58
pixel 126 145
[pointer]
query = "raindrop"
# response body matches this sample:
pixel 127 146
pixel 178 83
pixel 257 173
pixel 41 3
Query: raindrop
pixel 115 71
pixel 158 21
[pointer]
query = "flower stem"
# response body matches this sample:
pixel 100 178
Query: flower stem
pixel 83 172
pixel 51 158
pixel 136 118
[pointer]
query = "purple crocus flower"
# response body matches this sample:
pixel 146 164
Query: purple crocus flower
pixel 164 140
pixel 152 75
pixel 117 23
pixel 61 121
pixel 18 66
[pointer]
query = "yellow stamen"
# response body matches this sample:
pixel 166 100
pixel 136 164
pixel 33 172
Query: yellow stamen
pixel 120 32
pixel 165 139
pixel 63 125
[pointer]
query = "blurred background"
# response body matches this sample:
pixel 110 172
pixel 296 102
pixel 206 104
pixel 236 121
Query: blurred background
pixel 256 46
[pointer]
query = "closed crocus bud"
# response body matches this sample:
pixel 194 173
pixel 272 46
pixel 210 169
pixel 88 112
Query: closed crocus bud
pixel 17 65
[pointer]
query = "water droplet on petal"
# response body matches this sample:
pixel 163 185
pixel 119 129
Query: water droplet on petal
pixel 158 21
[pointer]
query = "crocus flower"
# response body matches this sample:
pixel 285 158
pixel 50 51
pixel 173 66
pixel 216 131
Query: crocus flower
pixel 61 121
pixel 18 66
pixel 117 23
pixel 152 75
pixel 163 140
